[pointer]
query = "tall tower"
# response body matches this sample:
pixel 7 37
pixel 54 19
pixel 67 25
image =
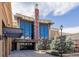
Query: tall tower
pixel 36 36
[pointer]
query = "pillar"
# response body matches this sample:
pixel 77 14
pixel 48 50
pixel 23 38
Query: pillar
pixel 18 46
pixel 36 46
pixel 7 47
pixel 1 53
pixel 49 35
pixel 10 44
pixel 4 47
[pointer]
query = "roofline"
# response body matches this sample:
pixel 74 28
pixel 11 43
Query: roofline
pixel 54 29
pixel 74 34
pixel 23 17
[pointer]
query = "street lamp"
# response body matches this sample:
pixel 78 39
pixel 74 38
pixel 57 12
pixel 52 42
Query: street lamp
pixel 61 27
pixel 61 52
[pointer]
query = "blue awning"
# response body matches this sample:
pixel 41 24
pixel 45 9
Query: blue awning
pixel 12 32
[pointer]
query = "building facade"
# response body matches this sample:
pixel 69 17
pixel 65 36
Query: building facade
pixel 25 34
pixel 7 32
pixel 28 26
pixel 34 30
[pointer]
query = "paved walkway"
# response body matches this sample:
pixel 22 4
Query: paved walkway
pixel 28 53
pixel 71 55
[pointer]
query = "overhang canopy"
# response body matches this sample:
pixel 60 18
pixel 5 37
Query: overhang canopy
pixel 12 32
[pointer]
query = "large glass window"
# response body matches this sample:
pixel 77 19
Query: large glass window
pixel 43 31
pixel 27 29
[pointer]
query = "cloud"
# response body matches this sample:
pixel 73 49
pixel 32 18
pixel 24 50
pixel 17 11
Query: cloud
pixel 56 8
pixel 71 30
pixel 23 8
pixel 62 8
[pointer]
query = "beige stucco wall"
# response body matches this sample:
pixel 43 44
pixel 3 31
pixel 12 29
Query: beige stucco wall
pixel 6 17
pixel 53 33
pixel 15 24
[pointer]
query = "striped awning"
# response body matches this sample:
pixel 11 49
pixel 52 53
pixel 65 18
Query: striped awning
pixel 12 32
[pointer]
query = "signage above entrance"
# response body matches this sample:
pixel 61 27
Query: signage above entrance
pixel 12 32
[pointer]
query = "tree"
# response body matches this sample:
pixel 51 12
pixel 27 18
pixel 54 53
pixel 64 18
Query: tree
pixel 67 45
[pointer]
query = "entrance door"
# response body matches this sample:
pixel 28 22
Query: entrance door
pixel 14 45
pixel 27 46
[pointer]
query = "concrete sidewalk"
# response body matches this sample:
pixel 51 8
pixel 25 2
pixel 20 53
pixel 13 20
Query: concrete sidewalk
pixel 71 55
pixel 28 53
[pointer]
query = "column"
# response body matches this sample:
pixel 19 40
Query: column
pixel 18 46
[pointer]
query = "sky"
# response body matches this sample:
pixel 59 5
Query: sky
pixel 66 13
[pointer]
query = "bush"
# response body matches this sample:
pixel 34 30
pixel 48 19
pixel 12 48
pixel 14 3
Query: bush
pixel 41 45
pixel 48 44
